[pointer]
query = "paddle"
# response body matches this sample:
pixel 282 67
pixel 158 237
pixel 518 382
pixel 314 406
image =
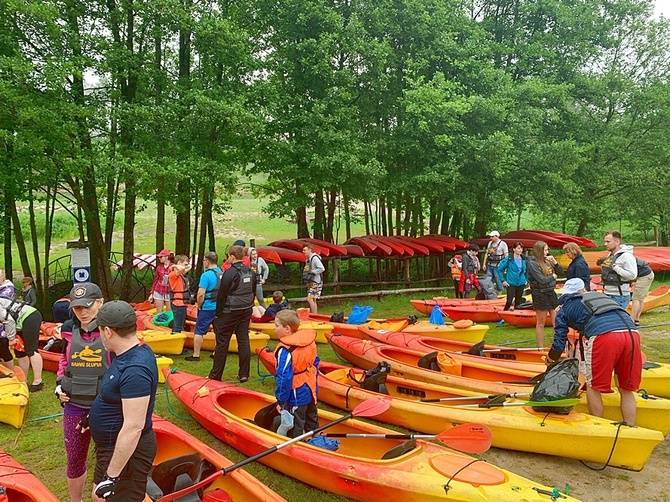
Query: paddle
pixel 475 398
pixel 468 438
pixel 560 403
pixel 511 349
pixel 368 408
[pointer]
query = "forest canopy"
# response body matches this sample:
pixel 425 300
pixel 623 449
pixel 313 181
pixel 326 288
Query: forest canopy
pixel 434 116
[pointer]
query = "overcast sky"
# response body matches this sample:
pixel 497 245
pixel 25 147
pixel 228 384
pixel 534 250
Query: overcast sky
pixel 662 7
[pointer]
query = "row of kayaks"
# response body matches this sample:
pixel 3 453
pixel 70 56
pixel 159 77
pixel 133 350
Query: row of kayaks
pixel 360 469
pixel 482 311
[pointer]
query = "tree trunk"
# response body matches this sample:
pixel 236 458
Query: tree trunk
pixel 347 216
pixel 20 241
pixel 206 209
pixel 160 215
pixel 7 244
pixel 582 227
pixel 382 215
pixel 367 217
pixel 319 215
pixel 330 220
pixel 301 220
pixel 36 246
pixel 183 220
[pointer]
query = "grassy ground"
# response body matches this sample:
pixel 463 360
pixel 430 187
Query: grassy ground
pixel 38 445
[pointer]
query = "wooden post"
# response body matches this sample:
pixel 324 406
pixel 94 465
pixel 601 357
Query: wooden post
pixel 336 275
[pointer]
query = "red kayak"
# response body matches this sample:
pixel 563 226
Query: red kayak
pixel 476 313
pixel 426 306
pixel 20 484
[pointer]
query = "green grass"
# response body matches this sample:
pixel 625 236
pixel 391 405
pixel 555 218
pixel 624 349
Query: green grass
pixel 39 445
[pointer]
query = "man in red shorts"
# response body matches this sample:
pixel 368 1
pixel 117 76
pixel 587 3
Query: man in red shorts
pixel 613 345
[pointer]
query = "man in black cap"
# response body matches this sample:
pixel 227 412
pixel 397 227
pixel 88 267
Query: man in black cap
pixel 120 417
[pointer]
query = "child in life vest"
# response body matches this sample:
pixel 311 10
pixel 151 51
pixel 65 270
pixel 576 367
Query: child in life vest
pixel 261 314
pixel 297 363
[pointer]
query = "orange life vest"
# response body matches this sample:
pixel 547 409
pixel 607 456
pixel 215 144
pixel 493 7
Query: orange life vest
pixel 302 347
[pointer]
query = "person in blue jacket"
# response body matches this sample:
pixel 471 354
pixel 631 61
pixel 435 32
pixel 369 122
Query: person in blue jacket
pixel 512 275
pixel 578 267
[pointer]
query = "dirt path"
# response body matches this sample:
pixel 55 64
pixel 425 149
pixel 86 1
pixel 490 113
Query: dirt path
pixel 609 485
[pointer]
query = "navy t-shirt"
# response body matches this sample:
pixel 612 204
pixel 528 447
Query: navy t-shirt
pixel 132 374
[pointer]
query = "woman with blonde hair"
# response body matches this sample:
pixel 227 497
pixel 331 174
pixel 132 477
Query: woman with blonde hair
pixel 543 270
pixel 578 268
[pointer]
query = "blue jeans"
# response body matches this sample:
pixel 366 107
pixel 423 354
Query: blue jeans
pixel 492 270
pixel 179 318
pixel 622 300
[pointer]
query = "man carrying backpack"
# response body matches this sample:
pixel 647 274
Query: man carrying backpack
pixel 208 288
pixel 613 345
pixel 234 304
pixel 313 276
pixel 619 269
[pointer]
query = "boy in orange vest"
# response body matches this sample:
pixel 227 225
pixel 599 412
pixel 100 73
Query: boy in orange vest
pixel 297 363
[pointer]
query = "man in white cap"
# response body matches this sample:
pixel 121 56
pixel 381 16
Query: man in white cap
pixel 496 250
pixel 613 345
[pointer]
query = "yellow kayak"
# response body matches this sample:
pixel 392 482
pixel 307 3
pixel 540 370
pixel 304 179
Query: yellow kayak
pixel 163 342
pixel 13 396
pixel 321 328
pixel 575 435
pixel 472 334
pixel 257 340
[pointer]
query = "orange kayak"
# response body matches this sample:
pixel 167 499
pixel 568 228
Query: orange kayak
pixel 413 471
pixel 50 360
pixel 410 364
pixel 522 318
pixel 476 313
pixel 20 484
pixel 176 447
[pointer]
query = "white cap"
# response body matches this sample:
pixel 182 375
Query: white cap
pixel 572 286
pixel 495 233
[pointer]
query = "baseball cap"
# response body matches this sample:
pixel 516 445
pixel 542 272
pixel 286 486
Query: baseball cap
pixel 239 242
pixel 572 286
pixel 495 233
pixel 84 294
pixel 116 314
pixel 165 252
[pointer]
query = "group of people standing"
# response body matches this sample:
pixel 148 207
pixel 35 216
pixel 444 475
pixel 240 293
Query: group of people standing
pixel 611 338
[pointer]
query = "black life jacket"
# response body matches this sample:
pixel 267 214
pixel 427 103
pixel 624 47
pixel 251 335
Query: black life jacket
pixel 241 295
pixel 84 372
pixel 598 303
pixel 609 277
pixel 211 295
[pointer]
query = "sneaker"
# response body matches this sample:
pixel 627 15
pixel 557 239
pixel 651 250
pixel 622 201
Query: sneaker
pixel 500 322
pixel 36 387
pixel 192 358
pixel 242 379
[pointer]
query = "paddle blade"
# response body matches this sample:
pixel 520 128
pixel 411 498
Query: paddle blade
pixel 468 438
pixel 371 408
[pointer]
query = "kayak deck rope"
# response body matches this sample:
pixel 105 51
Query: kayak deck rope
pixel 262 376
pixel 447 487
pixel 616 437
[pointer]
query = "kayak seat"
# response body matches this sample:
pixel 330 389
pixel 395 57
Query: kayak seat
pixel 375 379
pixel 476 349
pixel 400 449
pixel 429 361
pixel 648 365
pixel 176 474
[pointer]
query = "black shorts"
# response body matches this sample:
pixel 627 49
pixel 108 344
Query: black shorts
pixel 132 484
pixel 30 333
pixel 5 354
pixel 544 301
